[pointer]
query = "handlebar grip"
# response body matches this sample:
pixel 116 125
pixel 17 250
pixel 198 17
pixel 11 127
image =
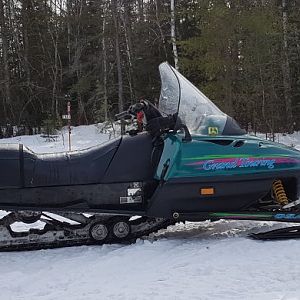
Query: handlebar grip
pixel 135 108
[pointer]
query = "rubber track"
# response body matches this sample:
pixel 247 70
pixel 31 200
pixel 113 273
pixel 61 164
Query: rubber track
pixel 85 242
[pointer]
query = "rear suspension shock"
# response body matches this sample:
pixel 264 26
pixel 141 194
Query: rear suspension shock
pixel 279 192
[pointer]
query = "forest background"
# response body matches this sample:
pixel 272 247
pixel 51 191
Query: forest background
pixel 104 55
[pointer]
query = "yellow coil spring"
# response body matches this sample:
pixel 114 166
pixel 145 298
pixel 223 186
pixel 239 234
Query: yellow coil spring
pixel 279 192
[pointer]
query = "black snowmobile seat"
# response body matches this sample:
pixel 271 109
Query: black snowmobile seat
pixel 20 167
pixel 70 168
pixel 124 159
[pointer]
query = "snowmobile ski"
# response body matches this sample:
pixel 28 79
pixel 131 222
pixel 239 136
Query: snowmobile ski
pixel 292 232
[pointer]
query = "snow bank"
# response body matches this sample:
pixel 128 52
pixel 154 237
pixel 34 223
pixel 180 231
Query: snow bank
pixel 81 137
pixel 193 261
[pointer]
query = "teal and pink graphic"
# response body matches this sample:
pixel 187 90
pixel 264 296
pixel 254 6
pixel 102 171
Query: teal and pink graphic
pixel 213 162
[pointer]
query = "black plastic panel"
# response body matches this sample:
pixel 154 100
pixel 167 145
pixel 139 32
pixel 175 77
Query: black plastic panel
pixel 77 197
pixel 232 127
pixel 10 166
pixel 231 194
pixel 132 161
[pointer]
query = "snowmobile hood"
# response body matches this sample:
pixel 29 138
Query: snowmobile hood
pixel 195 110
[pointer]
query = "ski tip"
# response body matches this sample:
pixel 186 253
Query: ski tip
pixel 277 234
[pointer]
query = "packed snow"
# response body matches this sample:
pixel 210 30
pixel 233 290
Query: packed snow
pixel 207 260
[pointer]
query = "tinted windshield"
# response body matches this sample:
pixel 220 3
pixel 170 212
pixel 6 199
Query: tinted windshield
pixel 195 110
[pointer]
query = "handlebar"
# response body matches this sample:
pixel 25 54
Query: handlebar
pixel 131 111
pixel 123 115
pixel 156 123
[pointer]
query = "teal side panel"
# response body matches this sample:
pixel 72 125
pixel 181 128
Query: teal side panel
pixel 218 156
pixel 171 154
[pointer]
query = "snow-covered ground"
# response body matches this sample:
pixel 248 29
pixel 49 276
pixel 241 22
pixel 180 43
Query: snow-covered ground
pixel 192 261
pixel 81 137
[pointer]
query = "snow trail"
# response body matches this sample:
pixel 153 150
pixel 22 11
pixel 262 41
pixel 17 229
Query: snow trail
pixel 171 266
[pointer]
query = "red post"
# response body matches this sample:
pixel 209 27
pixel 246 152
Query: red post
pixel 69 122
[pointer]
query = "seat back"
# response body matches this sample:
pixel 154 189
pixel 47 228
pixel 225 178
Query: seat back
pixel 10 166
pixel 132 161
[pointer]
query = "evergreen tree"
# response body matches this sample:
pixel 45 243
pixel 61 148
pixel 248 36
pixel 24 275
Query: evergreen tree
pixel 103 55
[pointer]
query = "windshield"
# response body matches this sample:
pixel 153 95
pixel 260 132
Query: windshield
pixel 194 109
pixel 170 90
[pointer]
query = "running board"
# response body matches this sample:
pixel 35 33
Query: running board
pixel 245 215
pixel 278 234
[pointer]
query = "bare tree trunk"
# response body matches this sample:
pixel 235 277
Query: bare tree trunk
pixel 69 31
pixel 77 62
pixel 16 47
pixel 163 39
pixel 55 67
pixel 129 50
pixel 286 69
pixel 4 38
pixel 173 34
pixel 104 65
pixel 141 9
pixel 25 8
pixel 118 56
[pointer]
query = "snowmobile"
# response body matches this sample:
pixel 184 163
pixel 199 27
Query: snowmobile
pixel 192 163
